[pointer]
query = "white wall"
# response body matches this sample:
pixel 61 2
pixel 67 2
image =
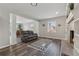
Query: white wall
pixel 69 27
pixel 4 28
pixel 28 24
pixel 13 39
pixel 76 26
pixel 60 31
pixel 34 26
pixel 76 38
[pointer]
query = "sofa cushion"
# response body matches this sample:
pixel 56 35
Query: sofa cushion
pixel 28 36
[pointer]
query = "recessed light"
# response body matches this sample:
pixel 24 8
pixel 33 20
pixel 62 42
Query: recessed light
pixel 56 12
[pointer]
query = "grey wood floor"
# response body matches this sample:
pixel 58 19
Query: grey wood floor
pixel 26 49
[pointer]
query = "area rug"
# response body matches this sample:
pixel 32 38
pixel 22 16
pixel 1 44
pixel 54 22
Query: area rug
pixel 41 44
pixel 47 47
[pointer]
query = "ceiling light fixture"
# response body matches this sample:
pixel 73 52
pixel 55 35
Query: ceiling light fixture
pixel 56 12
pixel 34 4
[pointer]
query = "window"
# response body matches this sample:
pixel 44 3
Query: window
pixel 52 26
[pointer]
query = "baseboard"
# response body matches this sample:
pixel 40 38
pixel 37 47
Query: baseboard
pixel 7 45
pixel 49 38
pixel 4 46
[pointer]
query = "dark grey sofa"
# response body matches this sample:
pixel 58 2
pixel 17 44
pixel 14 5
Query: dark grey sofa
pixel 28 36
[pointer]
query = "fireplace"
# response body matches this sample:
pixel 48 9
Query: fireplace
pixel 71 36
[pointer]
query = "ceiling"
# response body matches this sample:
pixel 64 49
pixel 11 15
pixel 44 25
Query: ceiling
pixel 23 20
pixel 41 11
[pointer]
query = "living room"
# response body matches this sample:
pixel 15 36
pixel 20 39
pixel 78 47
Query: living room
pixel 37 29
